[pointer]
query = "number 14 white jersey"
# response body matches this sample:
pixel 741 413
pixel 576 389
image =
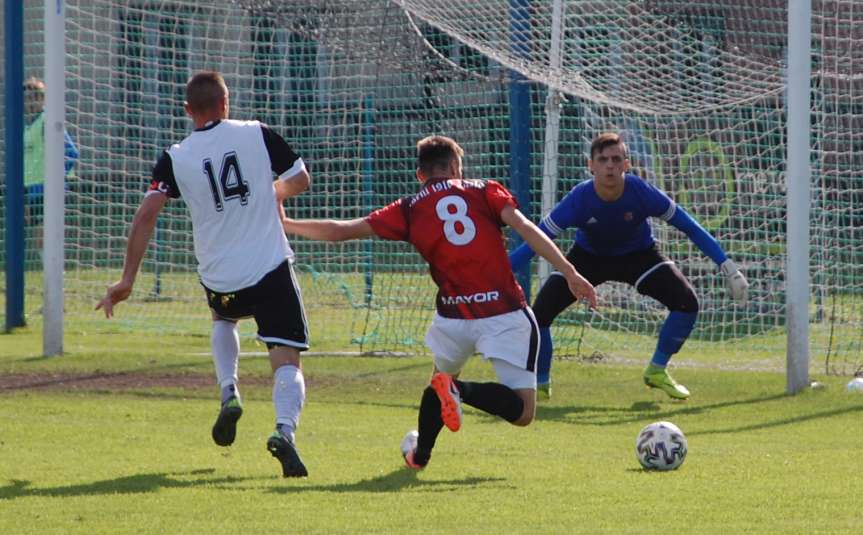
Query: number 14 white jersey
pixel 225 172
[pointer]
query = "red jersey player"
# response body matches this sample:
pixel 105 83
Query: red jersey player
pixel 455 224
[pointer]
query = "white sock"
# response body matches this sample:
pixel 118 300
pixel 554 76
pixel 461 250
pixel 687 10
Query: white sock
pixel 226 352
pixel 289 396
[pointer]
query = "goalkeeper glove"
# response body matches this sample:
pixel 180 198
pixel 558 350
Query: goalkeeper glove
pixel 737 284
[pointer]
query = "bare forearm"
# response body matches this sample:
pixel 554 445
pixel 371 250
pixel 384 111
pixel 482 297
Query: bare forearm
pixel 326 229
pixel 139 239
pixel 535 238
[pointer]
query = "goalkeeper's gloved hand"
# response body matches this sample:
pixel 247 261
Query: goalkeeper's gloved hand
pixel 737 284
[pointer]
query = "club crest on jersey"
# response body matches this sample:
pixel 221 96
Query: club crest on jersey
pixel 480 297
pixel 627 216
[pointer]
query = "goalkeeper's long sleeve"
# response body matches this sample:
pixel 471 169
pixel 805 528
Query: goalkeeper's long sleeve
pixel 521 255
pixel 699 236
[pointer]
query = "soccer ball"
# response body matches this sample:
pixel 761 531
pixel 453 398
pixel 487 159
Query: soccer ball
pixel 409 443
pixel 660 446
pixel 855 385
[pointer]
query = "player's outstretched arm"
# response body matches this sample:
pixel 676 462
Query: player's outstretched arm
pixel 329 229
pixel 562 216
pixel 737 283
pixel 139 237
pixel 523 254
pixel 544 247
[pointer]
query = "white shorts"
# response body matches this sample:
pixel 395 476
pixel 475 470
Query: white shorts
pixel 510 340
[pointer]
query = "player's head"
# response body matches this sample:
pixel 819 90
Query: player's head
pixel 34 95
pixel 609 158
pixel 438 156
pixel 605 140
pixel 207 96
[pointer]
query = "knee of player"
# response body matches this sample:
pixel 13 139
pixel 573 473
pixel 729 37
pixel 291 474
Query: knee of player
pixel 528 413
pixel 524 421
pixel 687 302
pixel 691 304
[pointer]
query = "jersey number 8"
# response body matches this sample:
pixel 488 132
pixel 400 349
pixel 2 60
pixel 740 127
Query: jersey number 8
pixel 450 230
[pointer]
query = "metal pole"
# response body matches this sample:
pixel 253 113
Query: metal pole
pixel 14 45
pixel 798 184
pixel 552 127
pixel 54 228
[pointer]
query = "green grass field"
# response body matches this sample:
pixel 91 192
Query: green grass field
pixel 135 456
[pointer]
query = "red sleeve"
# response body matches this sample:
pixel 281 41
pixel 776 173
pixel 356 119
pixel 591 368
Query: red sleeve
pixel 390 222
pixel 498 197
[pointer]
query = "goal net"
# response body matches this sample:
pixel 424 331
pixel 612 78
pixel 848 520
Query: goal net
pixel 696 88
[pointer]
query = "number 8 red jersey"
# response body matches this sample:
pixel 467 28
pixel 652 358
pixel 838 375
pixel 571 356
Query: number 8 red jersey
pixel 455 225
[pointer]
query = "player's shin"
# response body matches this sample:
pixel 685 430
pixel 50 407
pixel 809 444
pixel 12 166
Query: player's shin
pixel 676 329
pixel 289 396
pixel 226 350
pixel 429 425
pixel 493 398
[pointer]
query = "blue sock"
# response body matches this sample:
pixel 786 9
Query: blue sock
pixel 673 334
pixel 660 359
pixel 543 367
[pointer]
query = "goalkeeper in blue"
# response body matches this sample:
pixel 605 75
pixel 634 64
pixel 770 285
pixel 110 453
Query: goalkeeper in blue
pixel 614 242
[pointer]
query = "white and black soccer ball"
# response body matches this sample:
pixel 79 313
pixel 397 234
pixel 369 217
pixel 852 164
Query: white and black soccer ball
pixel 855 385
pixel 409 443
pixel 661 446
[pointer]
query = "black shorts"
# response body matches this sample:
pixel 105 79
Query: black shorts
pixel 651 273
pixel 631 268
pixel 276 304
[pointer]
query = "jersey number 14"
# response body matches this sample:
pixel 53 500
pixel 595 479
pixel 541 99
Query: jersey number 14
pixel 230 184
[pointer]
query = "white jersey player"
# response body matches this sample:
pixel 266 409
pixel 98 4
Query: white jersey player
pixel 234 176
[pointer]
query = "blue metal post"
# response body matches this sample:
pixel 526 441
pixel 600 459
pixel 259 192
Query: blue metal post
pixel 14 17
pixel 519 128
pixel 368 187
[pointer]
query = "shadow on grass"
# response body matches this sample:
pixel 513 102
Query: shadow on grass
pixel 395 481
pixel 605 416
pixel 781 422
pixel 136 484
pixel 640 411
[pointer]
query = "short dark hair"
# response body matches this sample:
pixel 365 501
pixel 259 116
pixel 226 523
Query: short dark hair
pixel 605 140
pixel 435 153
pixel 205 90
